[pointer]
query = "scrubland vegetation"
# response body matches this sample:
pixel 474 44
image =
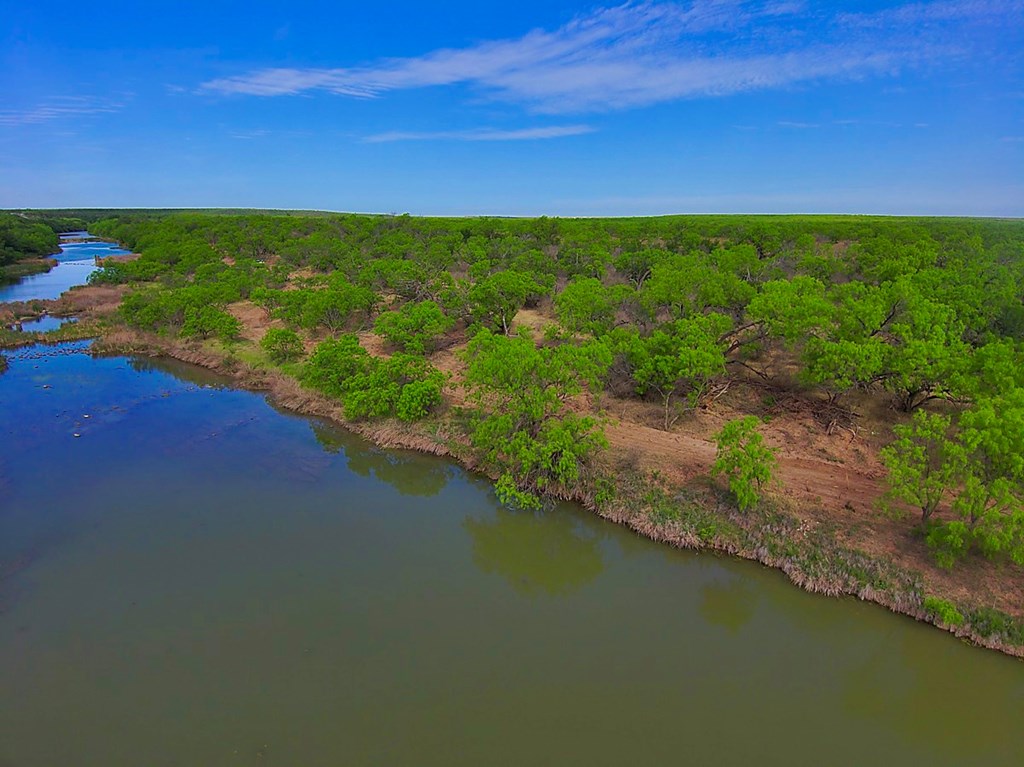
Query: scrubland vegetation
pixel 923 317
pixel 26 241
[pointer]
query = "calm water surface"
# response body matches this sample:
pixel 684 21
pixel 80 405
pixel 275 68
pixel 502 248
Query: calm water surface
pixel 198 579
pixel 46 322
pixel 75 263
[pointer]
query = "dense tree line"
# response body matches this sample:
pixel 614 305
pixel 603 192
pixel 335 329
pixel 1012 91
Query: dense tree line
pixel 22 238
pixel 924 312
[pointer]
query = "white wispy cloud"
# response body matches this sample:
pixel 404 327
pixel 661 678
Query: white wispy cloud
pixel 925 13
pixel 55 109
pixel 643 53
pixel 482 134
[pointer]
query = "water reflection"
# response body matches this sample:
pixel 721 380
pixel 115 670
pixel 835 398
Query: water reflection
pixel 931 692
pixel 44 323
pixel 184 565
pixel 182 371
pixel 539 553
pixel 75 262
pixel 728 603
pixel 408 473
pixel 332 439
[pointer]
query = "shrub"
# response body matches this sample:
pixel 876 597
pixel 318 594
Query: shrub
pixel 206 321
pixel 402 385
pixel 990 622
pixel 944 611
pixel 414 328
pixel 744 459
pixel 282 345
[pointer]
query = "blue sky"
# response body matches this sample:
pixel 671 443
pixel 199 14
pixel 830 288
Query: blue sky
pixel 521 108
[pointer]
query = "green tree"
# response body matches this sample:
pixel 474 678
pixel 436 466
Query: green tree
pixel 587 305
pixel 792 309
pixel 685 357
pixel 334 363
pixel 282 345
pixel 206 321
pixel 927 353
pixel 403 385
pixel 522 425
pixel 925 464
pixel 334 307
pixel 743 458
pixel 991 501
pixel 415 327
pixel 495 299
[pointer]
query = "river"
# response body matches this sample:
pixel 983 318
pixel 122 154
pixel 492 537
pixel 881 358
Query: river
pixel 199 579
pixel 75 262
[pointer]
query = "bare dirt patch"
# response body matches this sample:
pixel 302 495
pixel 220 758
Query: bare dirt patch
pixel 118 259
pixel 256 320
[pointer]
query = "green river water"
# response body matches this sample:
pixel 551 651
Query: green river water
pixel 199 579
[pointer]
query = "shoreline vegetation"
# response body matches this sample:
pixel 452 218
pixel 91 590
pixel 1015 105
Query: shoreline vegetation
pixel 826 517
pixel 28 240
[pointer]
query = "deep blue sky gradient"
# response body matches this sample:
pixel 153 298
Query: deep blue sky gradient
pixel 709 106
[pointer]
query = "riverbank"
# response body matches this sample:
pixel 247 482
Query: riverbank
pixel 823 548
pixel 25 268
pixel 695 516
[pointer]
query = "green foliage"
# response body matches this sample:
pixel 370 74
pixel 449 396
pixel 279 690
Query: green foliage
pixel 683 358
pixel 636 266
pixel 927 352
pixel 743 458
pixel 992 623
pixel 791 309
pixel 209 321
pixel 404 386
pixel 334 363
pixel 191 310
pixel 944 611
pixel 419 397
pixel 282 345
pixel 991 500
pixel 923 309
pixel 415 327
pixel 21 238
pixel 522 425
pixel 924 464
pixel 587 305
pixel 495 299
pixel 334 306
pixel 697 282
pixel 980 466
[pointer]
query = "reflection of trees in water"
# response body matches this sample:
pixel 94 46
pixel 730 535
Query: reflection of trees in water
pixel 962 702
pixel 538 552
pixel 729 604
pixel 409 473
pixel 332 439
pixel 182 371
